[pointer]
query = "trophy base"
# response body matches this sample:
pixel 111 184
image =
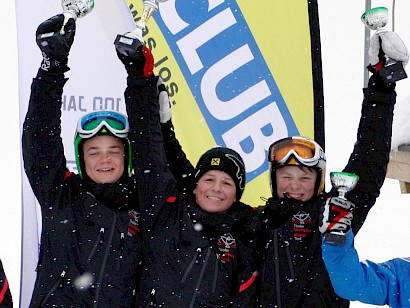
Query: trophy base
pixel 392 72
pixel 127 46
pixel 335 238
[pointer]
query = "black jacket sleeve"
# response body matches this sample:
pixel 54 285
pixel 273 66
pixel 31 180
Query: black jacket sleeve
pixel 370 154
pixel 42 146
pixel 178 163
pixel 155 181
pixel 5 294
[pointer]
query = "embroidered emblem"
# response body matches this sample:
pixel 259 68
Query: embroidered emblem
pixel 226 247
pixel 302 225
pixel 134 224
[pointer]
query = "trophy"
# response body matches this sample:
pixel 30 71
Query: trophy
pixel 128 43
pixel 376 19
pixel 343 182
pixel 71 9
pixel 76 8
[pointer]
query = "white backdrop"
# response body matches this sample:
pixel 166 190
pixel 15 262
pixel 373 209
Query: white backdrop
pixel 385 234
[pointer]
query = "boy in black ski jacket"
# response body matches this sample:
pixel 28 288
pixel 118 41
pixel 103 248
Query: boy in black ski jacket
pixel 198 237
pixel 90 242
pixel 293 273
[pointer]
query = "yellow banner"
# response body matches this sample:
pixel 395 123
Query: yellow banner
pixel 240 74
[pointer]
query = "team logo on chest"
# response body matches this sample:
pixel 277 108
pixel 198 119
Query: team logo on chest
pixel 226 248
pixel 302 225
pixel 134 226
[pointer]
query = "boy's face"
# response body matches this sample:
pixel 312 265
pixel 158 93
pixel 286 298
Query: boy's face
pixel 104 158
pixel 215 191
pixel 296 182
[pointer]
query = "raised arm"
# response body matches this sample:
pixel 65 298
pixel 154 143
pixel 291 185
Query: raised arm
pixel 43 152
pixel 370 155
pixel 367 282
pixel 141 100
pixel 177 161
pixel 154 179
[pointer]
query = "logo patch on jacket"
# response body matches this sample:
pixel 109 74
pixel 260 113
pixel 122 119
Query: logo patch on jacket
pixel 134 224
pixel 226 248
pixel 302 225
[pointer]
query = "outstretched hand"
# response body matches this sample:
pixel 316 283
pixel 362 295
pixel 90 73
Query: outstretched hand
pixel 54 38
pixel 336 216
pixel 139 64
pixel 388 44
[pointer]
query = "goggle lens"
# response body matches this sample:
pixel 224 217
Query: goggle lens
pixel 92 123
pixel 92 120
pixel 298 151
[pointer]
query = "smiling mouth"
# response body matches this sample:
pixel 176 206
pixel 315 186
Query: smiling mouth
pixel 105 169
pixel 214 198
pixel 292 196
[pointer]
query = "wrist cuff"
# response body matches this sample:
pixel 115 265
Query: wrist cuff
pixel 375 68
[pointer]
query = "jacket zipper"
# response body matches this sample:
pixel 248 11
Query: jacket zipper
pixel 276 262
pixel 121 251
pixel 195 259
pixel 104 262
pixel 289 258
pixel 98 241
pixel 58 283
pixel 201 275
pixel 216 270
pixel 152 301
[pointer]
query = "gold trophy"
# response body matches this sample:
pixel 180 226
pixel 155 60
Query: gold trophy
pixel 343 182
pixel 128 43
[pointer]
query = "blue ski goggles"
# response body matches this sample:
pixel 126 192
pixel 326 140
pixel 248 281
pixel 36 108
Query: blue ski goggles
pixel 98 121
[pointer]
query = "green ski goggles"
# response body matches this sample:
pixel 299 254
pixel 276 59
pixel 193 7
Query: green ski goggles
pixel 95 122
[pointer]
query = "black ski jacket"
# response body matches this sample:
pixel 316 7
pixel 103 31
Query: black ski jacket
pixel 190 258
pixel 6 300
pixel 90 241
pixel 293 273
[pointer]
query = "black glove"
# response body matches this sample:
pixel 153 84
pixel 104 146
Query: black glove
pixel 278 212
pixel 335 219
pixel 215 225
pixel 386 45
pixel 140 64
pixel 388 56
pixel 55 41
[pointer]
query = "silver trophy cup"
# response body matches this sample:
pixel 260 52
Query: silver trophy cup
pixel 376 19
pixel 343 182
pixel 71 9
